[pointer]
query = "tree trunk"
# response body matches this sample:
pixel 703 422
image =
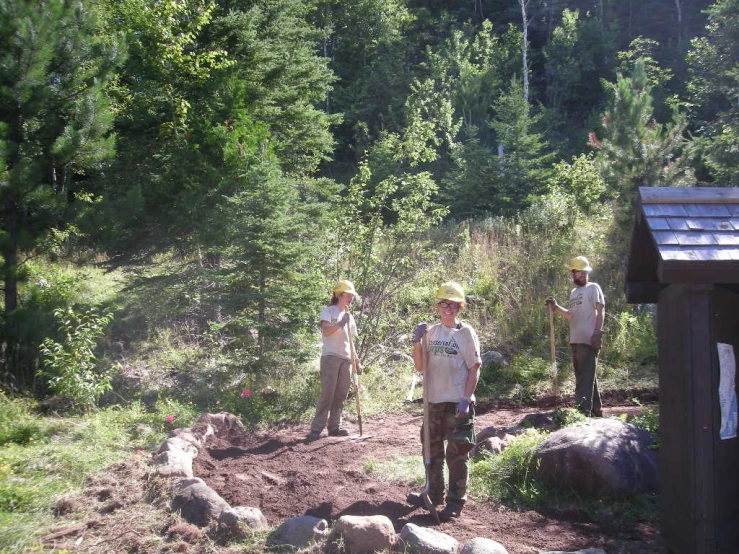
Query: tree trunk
pixel 262 318
pixel 10 255
pixel 679 9
pixel 524 47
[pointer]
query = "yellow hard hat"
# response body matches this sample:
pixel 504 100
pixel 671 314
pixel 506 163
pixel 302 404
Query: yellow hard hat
pixel 580 263
pixel 451 291
pixel 344 286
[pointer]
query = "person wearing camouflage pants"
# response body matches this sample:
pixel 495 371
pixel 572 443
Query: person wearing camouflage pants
pixel 449 353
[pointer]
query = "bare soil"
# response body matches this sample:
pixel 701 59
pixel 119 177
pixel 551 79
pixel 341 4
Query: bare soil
pixel 284 476
pixel 127 510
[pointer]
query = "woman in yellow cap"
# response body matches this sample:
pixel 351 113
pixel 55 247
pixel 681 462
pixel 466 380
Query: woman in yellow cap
pixel 337 328
pixel 452 368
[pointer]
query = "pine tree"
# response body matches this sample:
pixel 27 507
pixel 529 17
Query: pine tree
pixel 55 127
pixel 714 89
pixel 635 149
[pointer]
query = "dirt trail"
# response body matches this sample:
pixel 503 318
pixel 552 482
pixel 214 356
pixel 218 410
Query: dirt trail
pixel 284 477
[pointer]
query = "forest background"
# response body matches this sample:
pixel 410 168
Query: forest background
pixel 182 182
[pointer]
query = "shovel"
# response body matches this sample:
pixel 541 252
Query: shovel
pixel 355 379
pixel 555 387
pixel 426 437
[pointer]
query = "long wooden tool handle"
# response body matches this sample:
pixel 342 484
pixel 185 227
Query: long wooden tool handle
pixel 555 387
pixel 355 376
pixel 426 381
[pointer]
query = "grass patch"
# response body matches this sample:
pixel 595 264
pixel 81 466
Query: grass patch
pixel 42 458
pixel 399 469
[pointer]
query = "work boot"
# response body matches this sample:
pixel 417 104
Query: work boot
pixel 313 436
pixel 450 511
pixel 338 432
pixel 414 499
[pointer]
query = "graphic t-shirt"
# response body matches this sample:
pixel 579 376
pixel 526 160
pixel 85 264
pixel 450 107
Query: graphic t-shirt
pixel 451 352
pixel 582 307
pixel 337 344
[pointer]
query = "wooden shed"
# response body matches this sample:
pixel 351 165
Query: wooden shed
pixel 684 256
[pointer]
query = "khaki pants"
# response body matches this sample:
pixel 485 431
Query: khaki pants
pixel 587 395
pixel 335 380
pixel 459 435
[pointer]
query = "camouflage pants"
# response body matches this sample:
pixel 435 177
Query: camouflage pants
pixel 459 435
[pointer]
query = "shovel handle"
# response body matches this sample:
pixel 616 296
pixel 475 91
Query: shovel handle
pixel 355 378
pixel 555 387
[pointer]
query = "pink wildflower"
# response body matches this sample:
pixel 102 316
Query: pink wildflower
pixel 169 419
pixel 246 393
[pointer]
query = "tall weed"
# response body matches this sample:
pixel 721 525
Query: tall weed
pixel 510 477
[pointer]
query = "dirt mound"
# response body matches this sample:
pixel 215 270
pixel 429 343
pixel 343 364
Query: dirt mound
pixel 283 476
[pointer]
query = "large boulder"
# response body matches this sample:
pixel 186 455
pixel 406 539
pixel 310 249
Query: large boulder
pixel 599 457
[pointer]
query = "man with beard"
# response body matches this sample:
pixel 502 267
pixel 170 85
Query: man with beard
pixel 585 314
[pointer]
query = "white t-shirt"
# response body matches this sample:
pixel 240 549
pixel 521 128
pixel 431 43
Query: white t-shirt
pixel 337 344
pixel 451 352
pixel 583 301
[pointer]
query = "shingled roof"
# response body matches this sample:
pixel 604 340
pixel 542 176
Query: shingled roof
pixel 683 235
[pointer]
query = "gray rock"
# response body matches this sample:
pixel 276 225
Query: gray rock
pixel 422 540
pixel 483 546
pixel 486 433
pixel 176 443
pixel 240 521
pixel 492 358
pixel 150 399
pixel 223 423
pixel 489 447
pixel 174 463
pixel 299 532
pixel 198 504
pixel 365 533
pixel 545 422
pixel 188 435
pixel 181 484
pixel 599 457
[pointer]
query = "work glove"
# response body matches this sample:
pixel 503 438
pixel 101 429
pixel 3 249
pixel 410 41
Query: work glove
pixel 551 300
pixel 420 330
pixel 344 320
pixel 596 340
pixel 463 409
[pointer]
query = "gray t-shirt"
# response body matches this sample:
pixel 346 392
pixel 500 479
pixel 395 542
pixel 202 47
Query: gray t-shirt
pixel 583 301
pixel 451 352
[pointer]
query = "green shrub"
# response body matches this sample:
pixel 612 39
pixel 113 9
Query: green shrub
pixel 633 339
pixel 70 364
pixel 510 476
pixel 568 416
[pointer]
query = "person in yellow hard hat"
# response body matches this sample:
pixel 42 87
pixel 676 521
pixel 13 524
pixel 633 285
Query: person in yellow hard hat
pixel 586 315
pixel 337 328
pixel 452 371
